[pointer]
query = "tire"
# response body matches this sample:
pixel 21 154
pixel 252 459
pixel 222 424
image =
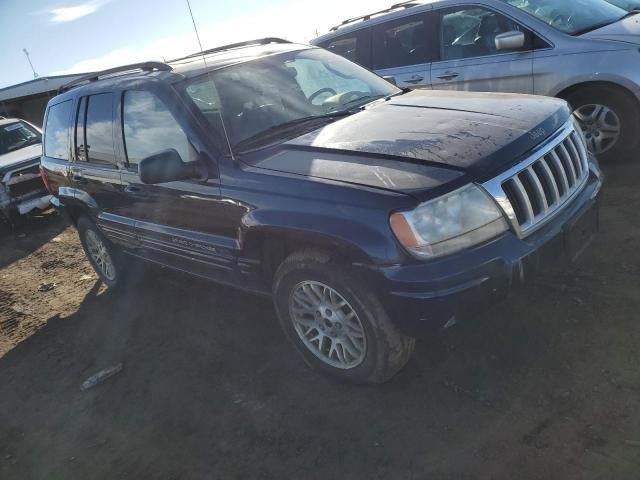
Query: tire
pixel 372 348
pixel 601 111
pixel 99 252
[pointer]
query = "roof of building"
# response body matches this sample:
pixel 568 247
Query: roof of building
pixel 37 86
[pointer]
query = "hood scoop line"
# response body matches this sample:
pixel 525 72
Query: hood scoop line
pixel 381 156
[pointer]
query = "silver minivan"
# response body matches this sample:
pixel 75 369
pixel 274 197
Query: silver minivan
pixel 584 51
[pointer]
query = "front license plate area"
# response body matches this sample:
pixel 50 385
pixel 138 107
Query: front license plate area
pixel 579 234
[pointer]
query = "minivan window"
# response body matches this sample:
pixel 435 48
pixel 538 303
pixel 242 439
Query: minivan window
pixel 400 43
pixel 346 47
pixel 99 129
pixel 572 16
pixel 17 135
pixel 57 131
pixel 471 32
pixel 149 127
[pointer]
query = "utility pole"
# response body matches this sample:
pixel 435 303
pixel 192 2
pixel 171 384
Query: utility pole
pixel 35 75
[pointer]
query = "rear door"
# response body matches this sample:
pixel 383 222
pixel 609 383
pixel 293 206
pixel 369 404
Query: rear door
pixel 178 223
pixel 401 49
pixel 95 172
pixel 468 58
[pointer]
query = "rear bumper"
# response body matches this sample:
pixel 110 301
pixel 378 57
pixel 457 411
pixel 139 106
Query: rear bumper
pixel 424 297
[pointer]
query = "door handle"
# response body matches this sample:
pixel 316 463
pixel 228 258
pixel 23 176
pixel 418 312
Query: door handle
pixel 414 80
pixel 133 189
pixel 449 76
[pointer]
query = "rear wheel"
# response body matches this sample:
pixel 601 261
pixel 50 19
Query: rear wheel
pixel 104 258
pixel 609 121
pixel 335 322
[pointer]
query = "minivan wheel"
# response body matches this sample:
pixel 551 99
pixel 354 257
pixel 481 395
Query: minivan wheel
pixel 335 322
pixel 101 254
pixel 609 121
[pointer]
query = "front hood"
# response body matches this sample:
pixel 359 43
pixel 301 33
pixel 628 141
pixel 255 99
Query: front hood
pixel 18 157
pixel 626 30
pixel 423 140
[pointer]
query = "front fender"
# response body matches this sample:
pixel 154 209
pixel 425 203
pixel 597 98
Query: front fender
pixel 359 239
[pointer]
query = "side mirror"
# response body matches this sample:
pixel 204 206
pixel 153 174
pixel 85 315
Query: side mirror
pixel 391 80
pixel 167 166
pixel 510 40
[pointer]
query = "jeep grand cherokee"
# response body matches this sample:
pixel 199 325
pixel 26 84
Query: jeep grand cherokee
pixel 370 214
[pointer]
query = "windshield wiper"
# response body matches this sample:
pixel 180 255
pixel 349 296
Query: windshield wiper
pixel 294 125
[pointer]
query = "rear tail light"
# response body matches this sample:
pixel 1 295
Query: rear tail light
pixel 45 180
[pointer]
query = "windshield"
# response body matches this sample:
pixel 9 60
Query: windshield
pixel 15 136
pixel 572 16
pixel 628 5
pixel 284 90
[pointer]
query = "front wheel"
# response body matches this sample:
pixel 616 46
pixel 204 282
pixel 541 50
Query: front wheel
pixel 101 254
pixel 336 323
pixel 609 121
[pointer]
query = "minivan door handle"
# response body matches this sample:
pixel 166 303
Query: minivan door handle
pixel 415 80
pixel 449 76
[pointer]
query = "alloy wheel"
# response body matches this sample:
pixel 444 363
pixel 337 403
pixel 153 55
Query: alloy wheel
pixel 328 325
pixel 100 255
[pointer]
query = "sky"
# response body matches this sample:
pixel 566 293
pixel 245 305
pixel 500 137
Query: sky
pixel 76 36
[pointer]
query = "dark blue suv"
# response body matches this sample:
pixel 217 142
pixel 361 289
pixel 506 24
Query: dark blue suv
pixel 369 213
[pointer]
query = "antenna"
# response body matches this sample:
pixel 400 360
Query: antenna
pixel 204 59
pixel 35 75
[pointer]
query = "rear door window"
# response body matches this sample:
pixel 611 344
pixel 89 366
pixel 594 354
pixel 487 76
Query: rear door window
pixel 401 43
pixel 81 115
pixel 99 145
pixel 57 131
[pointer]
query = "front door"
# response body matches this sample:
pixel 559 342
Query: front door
pixel 402 50
pixel 177 223
pixel 469 59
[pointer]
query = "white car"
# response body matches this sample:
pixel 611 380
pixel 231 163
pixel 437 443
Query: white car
pixel 21 187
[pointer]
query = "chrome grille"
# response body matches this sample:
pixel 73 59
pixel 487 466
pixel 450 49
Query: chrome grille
pixel 535 190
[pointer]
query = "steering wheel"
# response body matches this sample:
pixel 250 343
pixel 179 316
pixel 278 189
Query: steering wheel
pixel 320 92
pixel 561 19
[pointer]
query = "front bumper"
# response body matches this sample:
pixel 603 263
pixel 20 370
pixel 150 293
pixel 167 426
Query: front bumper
pixel 424 297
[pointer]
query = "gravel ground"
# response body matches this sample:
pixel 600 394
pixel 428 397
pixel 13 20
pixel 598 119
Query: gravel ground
pixel 544 386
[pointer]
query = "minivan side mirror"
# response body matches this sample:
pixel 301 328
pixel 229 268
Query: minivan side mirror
pixel 510 40
pixel 391 80
pixel 167 166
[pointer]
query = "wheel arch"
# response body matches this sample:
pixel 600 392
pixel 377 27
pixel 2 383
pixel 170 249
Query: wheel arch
pixel 271 246
pixel 566 93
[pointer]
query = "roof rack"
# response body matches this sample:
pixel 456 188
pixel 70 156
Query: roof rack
pixel 94 77
pixel 408 4
pixel 248 43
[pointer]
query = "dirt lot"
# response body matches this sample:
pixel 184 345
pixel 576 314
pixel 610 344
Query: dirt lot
pixel 545 386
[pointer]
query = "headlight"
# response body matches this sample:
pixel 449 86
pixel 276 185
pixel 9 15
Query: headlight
pixel 459 220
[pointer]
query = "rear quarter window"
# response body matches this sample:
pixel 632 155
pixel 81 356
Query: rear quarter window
pixel 56 131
